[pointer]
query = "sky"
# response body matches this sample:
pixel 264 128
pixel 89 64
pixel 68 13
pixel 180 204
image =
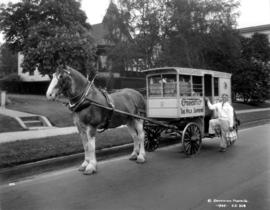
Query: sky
pixel 252 12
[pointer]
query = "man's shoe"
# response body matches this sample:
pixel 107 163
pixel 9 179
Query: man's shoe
pixel 222 149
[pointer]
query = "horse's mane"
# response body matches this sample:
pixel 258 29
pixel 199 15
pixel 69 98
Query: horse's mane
pixel 76 72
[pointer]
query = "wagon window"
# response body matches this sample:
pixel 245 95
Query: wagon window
pixel 185 85
pixel 197 86
pixel 155 86
pixel 216 89
pixel 169 85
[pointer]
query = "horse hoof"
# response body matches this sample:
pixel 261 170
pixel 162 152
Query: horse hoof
pixel 133 157
pixel 89 172
pixel 140 160
pixel 90 169
pixel 82 168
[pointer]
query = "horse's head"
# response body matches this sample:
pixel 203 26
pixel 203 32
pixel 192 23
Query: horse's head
pixel 61 83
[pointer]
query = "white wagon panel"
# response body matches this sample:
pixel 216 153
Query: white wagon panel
pixel 191 106
pixel 160 107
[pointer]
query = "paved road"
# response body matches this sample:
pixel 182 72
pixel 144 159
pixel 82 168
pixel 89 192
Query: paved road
pixel 238 178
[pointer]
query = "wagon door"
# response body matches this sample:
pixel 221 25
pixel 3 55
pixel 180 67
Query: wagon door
pixel 208 85
pixel 208 92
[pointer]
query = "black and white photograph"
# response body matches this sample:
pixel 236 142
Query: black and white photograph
pixel 134 104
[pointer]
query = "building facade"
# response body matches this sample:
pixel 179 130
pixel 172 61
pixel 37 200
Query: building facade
pixel 28 77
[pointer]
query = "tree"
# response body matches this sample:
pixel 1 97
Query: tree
pixel 185 33
pixel 8 61
pixel 48 33
pixel 201 34
pixel 251 78
pixel 134 29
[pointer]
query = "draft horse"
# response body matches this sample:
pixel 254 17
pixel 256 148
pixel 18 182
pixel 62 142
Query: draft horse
pixel 89 118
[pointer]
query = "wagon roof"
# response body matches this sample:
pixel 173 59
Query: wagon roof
pixel 190 71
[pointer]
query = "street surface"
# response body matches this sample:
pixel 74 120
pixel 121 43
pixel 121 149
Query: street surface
pixel 237 179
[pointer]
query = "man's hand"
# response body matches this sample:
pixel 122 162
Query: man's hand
pixel 206 99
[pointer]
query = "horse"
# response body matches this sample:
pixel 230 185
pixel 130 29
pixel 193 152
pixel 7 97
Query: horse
pixel 83 97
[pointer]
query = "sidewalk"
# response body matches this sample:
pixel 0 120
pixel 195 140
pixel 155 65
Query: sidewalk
pixel 34 134
pixel 14 113
pixel 252 110
pixel 54 131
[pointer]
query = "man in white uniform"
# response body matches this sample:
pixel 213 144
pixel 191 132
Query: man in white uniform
pixel 225 119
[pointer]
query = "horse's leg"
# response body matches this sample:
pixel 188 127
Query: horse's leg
pixel 140 134
pixel 85 162
pixel 91 147
pixel 82 132
pixel 136 147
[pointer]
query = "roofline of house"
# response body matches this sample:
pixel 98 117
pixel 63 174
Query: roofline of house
pixel 253 29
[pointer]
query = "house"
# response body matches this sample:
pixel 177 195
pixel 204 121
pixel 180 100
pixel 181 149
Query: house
pixel 249 31
pixel 103 65
pixel 29 77
pixel 99 32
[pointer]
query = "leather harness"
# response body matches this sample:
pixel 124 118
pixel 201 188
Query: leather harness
pixel 83 102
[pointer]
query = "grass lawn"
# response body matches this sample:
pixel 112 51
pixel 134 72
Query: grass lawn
pixel 20 152
pixel 60 116
pixel 57 113
pixel 8 124
pixel 253 116
pixel 242 106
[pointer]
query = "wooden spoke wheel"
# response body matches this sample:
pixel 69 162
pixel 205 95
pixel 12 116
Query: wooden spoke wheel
pixel 191 139
pixel 151 140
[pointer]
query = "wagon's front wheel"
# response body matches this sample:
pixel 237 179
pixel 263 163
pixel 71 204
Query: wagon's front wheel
pixel 191 139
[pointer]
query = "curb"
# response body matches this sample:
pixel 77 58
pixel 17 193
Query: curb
pixel 58 131
pixel 32 134
pixel 32 169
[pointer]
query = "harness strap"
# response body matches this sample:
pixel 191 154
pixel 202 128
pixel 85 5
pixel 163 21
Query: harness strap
pixel 111 109
pixel 76 106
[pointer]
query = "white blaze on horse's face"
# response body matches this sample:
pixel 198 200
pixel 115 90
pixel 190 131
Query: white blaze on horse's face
pixel 52 89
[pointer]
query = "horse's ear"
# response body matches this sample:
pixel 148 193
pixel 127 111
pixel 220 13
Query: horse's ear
pixel 66 71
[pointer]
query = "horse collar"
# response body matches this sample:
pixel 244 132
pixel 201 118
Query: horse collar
pixel 75 105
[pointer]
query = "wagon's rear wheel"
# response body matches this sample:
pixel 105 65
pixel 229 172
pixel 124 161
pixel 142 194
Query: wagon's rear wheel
pixel 151 140
pixel 192 139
